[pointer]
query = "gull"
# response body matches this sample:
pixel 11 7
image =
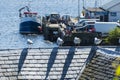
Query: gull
pixel 97 41
pixel 77 40
pixel 59 41
pixel 29 41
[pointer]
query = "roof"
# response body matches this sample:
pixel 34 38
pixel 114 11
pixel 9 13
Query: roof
pixel 63 63
pixel 111 4
pixel 103 65
pixel 95 9
pixel 42 63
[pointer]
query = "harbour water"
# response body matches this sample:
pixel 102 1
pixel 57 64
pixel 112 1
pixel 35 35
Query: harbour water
pixel 9 19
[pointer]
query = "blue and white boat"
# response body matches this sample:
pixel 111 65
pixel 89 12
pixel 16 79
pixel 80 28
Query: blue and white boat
pixel 30 22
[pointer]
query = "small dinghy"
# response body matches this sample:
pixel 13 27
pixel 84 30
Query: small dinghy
pixel 30 22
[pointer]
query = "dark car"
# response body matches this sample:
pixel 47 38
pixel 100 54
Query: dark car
pixel 88 28
pixel 54 18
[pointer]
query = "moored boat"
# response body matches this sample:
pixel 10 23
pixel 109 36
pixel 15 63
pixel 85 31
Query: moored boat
pixel 30 22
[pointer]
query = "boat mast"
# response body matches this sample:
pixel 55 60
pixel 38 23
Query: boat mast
pixel 83 4
pixel 78 10
pixel 29 4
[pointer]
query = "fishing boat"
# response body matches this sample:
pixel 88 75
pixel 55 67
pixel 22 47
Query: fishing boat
pixel 30 21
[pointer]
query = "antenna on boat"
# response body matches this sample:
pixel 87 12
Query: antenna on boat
pixel 26 7
pixel 29 4
pixel 83 4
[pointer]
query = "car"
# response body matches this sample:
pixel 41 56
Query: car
pixel 89 28
pixel 54 18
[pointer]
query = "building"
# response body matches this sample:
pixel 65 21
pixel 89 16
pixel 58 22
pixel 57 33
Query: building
pixel 96 13
pixel 107 12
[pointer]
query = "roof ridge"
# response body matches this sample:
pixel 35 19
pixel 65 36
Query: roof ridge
pixel 108 52
pixel 113 5
pixel 108 6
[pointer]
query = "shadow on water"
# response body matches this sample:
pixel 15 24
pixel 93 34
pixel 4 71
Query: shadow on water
pixel 68 61
pixel 51 60
pixel 22 59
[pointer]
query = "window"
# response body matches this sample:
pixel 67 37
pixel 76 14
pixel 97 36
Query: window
pixel 113 14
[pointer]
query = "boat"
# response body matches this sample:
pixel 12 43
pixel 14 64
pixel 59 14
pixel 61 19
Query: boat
pixel 30 21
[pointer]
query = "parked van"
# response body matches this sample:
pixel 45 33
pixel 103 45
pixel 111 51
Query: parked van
pixel 105 27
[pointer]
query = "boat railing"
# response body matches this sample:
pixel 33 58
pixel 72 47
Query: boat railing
pixel 29 14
